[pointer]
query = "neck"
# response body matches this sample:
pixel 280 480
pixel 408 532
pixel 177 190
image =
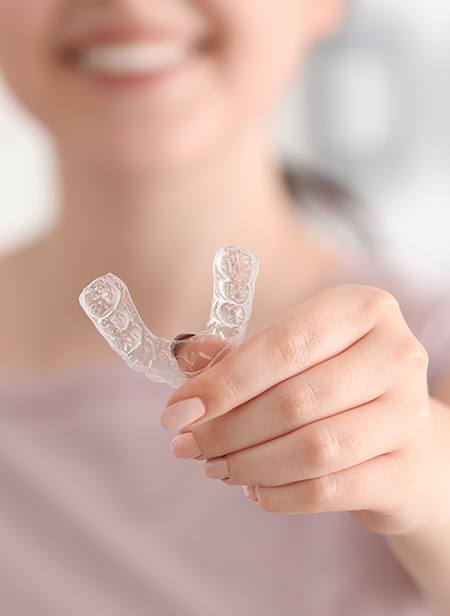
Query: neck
pixel 160 236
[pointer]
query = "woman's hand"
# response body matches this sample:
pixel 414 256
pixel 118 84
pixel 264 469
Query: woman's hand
pixel 325 410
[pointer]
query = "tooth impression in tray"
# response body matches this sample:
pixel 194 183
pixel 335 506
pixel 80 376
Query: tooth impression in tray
pixel 107 302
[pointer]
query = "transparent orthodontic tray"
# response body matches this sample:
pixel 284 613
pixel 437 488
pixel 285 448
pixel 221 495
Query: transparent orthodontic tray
pixel 107 302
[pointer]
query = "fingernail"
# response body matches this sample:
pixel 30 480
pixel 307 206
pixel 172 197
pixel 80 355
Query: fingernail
pixel 217 468
pixel 250 491
pixel 177 341
pixel 185 446
pixel 181 414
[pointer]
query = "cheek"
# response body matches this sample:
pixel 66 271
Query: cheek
pixel 262 44
pixel 26 51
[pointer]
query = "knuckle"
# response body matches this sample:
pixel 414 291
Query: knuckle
pixel 419 355
pixel 322 492
pixel 348 288
pixel 321 448
pixel 210 438
pixel 289 344
pixel 422 410
pixel 413 352
pixel 297 401
pixel 380 301
pixel 412 410
pixel 266 499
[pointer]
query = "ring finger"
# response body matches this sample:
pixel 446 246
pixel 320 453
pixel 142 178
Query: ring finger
pixel 320 448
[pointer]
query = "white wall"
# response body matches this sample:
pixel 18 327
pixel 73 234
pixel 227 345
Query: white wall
pixel 372 110
pixel 26 174
pixel 375 114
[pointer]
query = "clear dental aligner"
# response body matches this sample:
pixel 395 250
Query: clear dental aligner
pixel 107 302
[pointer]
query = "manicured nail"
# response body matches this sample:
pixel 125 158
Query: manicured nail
pixel 185 446
pixel 250 491
pixel 217 468
pixel 181 414
pixel 178 341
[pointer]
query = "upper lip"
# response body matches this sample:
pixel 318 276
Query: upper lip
pixel 129 33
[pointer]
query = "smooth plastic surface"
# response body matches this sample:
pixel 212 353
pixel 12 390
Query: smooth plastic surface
pixel 107 302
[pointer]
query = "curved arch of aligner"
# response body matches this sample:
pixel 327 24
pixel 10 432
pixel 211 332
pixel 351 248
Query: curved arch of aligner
pixel 108 304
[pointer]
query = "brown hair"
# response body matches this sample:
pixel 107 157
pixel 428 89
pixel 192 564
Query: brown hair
pixel 312 188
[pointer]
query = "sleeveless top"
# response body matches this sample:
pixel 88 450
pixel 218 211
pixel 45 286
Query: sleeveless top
pixel 98 517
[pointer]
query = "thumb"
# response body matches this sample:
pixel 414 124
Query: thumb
pixel 194 352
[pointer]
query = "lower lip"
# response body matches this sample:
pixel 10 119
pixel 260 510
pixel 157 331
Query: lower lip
pixel 133 79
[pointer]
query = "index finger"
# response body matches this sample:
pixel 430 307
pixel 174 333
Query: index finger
pixel 323 326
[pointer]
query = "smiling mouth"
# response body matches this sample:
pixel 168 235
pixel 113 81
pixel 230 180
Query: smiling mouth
pixel 131 58
pixel 132 53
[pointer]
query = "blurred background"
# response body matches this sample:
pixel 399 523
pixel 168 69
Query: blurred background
pixel 371 110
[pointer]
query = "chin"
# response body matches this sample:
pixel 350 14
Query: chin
pixel 154 149
pixel 148 158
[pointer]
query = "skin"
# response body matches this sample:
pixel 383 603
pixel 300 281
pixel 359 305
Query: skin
pixel 340 377
pixel 328 409
pixel 136 163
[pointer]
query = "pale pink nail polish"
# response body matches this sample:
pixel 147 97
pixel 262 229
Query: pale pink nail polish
pixel 217 468
pixel 182 413
pixel 185 446
pixel 250 491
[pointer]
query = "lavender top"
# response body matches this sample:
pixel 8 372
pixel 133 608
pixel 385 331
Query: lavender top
pixel 98 517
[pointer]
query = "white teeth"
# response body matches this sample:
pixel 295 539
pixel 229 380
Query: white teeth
pixel 132 58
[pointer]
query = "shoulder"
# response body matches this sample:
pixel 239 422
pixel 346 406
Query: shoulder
pixel 18 283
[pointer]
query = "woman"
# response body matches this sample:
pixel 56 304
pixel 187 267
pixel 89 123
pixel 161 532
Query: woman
pixel 160 114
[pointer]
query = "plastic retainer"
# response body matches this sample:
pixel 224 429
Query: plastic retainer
pixel 107 302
